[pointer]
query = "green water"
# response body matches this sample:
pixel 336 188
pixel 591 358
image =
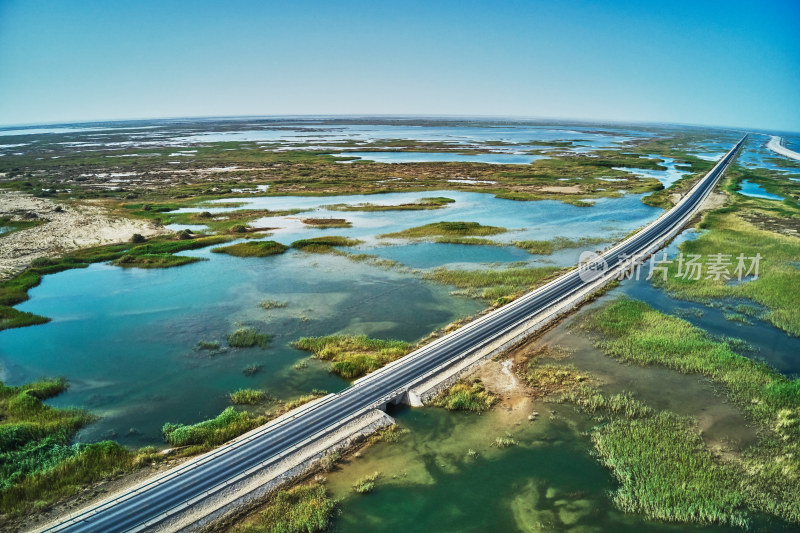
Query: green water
pixel 547 482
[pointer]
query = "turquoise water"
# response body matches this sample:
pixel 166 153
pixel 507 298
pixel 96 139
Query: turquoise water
pixel 541 220
pixel 126 338
pixel 666 177
pixel 748 188
pixel 427 157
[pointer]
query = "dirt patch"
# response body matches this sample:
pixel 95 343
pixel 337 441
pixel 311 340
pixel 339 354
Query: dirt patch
pixel 783 226
pixel 561 189
pixel 65 227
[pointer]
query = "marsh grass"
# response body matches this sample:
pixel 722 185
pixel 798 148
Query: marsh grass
pixel 252 249
pixel 38 463
pixel 154 261
pixel 464 396
pixel 248 338
pixel 497 286
pixel 272 304
pixel 666 472
pixel 229 424
pixel 366 484
pixel 729 233
pixel 697 487
pixel 212 346
pixel 445 229
pixel 467 240
pixel 301 509
pixel 421 204
pixel 251 370
pixel 558 243
pixel 353 356
pixel 326 222
pixel 248 397
pixel 324 244
pixel 504 442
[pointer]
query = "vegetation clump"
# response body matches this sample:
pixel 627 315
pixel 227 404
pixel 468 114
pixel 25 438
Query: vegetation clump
pixel 252 249
pixel 272 304
pixel 247 338
pixel 466 397
pixel 422 204
pixel 302 509
pixel 154 260
pixel 248 397
pixel 229 424
pixel 326 222
pixel 640 447
pixel 445 229
pixel 208 345
pixel 557 243
pixel 366 484
pixel 353 356
pixel 496 286
pixel 324 244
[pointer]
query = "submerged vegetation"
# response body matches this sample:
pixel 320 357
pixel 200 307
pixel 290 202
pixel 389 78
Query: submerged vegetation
pixel 366 484
pixel 252 249
pixel 247 338
pixel 466 397
pixel 353 356
pixel 445 229
pixel 301 509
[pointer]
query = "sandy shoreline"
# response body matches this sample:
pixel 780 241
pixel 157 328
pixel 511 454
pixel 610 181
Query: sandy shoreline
pixel 775 145
pixel 65 227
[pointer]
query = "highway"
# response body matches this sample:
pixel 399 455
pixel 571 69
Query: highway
pixel 168 492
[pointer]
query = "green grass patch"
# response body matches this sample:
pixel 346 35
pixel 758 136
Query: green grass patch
pixel 366 484
pixel 496 286
pixel 252 249
pixel 445 229
pixel 558 243
pixel 666 472
pixel 248 396
pixel 466 397
pixel 353 356
pixel 154 261
pixel 467 240
pixel 229 424
pixel 302 509
pixel 326 222
pixel 248 338
pixel 38 463
pixel 730 233
pixel 768 475
pixel 422 204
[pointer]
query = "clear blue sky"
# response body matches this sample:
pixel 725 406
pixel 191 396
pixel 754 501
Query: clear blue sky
pixel 732 63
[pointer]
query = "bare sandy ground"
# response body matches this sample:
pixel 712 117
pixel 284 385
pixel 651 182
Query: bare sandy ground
pixel 775 145
pixel 71 227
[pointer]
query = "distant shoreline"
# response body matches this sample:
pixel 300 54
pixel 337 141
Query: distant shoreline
pixel 775 145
